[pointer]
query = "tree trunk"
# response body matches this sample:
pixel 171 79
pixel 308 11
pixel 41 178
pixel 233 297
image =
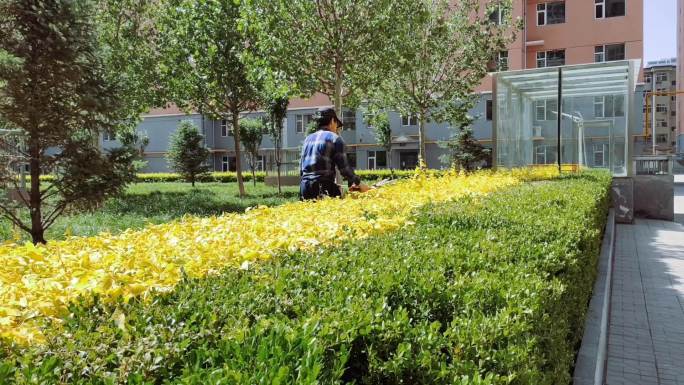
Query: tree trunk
pixel 253 177
pixel 238 160
pixel 35 200
pixel 389 161
pixel 337 98
pixel 421 140
pixel 280 191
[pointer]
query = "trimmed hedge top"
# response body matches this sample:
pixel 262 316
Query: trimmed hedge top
pixel 480 291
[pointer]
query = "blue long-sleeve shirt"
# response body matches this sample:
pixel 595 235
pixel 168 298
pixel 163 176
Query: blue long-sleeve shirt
pixel 321 153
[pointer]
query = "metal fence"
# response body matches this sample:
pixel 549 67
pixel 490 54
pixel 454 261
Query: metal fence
pixel 653 165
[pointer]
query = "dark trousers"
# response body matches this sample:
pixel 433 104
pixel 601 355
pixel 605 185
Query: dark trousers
pixel 314 189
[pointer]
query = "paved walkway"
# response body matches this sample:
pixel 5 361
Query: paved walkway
pixel 646 338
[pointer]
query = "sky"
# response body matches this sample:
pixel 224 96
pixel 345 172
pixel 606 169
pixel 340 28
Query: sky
pixel 660 29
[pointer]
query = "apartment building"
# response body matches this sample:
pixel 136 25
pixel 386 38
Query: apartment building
pixel 555 33
pixel 661 77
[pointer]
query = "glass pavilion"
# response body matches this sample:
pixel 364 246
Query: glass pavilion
pixel 590 126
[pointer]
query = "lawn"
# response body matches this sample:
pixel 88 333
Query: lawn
pixel 145 203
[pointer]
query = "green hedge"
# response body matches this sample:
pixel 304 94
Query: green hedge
pixel 481 291
pixel 227 177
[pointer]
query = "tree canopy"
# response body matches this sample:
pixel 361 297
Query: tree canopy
pixel 57 91
pixel 444 55
pixel 337 47
pixel 202 65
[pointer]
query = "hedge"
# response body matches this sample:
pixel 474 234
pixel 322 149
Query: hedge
pixel 479 291
pixel 229 177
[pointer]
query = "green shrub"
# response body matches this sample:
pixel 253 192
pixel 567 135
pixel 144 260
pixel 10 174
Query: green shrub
pixel 481 291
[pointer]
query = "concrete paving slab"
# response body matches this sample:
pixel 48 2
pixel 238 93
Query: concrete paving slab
pixel 646 334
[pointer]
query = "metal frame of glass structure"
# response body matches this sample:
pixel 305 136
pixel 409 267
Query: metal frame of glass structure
pixel 589 128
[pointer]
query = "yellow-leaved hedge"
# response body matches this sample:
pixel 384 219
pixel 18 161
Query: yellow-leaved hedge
pixel 38 282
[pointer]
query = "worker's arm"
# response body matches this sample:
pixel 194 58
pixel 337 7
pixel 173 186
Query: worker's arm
pixel 340 159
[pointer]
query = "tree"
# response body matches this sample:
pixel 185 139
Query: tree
pixel 128 32
pixel 187 153
pixel 56 91
pixel 202 62
pixel 336 47
pixel 444 56
pixel 277 110
pixel 252 135
pixel 380 124
pixel 465 152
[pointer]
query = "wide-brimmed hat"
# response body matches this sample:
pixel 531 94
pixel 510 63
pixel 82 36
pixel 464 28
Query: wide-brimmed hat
pixel 325 115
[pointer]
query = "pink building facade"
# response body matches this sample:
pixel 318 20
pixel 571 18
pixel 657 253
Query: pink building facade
pixel 570 32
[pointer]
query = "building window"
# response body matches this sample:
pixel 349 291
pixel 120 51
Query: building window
pixel 225 164
pixel 502 61
pixel 546 109
pixel 301 121
pixel 600 150
pixel 647 109
pixel 489 110
pixel 551 13
pixel 377 159
pixel 662 123
pixel 661 138
pixel 661 77
pixel 409 120
pixel 351 158
pixel 609 106
pixel 673 98
pixel 674 83
pixel 349 120
pixel 552 58
pixel 497 16
pixel 609 8
pixel 109 136
pixel 260 163
pixel 224 128
pixel 661 108
pixel 609 52
pixel 540 154
pixel 648 78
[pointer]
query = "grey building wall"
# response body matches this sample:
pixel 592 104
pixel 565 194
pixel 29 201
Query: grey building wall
pixel 361 140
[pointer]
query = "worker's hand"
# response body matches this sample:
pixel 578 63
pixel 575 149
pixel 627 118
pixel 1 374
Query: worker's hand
pixel 359 187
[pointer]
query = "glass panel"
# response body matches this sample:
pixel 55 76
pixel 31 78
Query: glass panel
pixel 594 124
pixel 541 14
pixel 555 58
pixel 381 159
pixel 615 52
pixel 615 8
pixel 555 13
pixel 598 54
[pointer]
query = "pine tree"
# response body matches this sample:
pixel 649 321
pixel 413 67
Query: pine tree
pixel 465 152
pixel 187 153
